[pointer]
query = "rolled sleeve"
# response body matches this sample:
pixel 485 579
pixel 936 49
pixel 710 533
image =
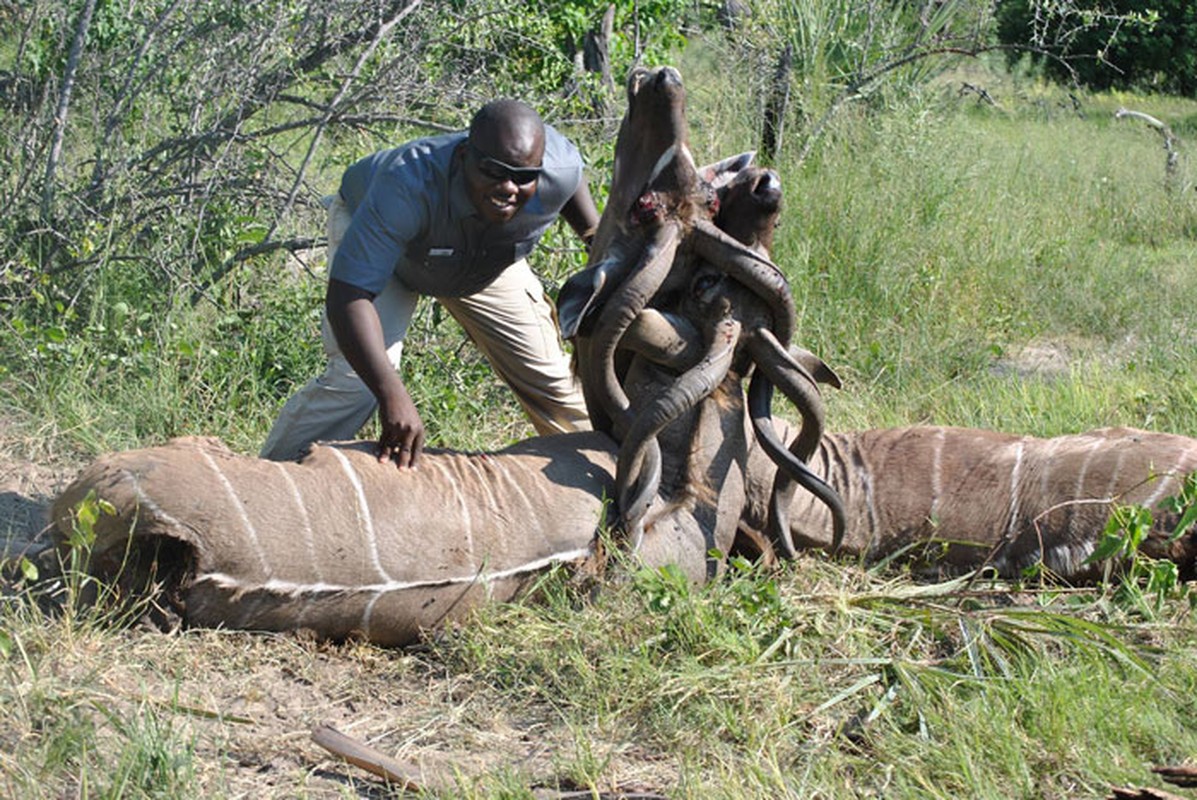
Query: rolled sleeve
pixel 391 215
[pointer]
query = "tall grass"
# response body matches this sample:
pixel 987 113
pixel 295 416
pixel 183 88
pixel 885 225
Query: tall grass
pixel 931 247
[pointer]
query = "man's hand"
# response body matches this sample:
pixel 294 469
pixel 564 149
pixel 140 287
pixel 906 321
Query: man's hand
pixel 355 323
pixel 402 429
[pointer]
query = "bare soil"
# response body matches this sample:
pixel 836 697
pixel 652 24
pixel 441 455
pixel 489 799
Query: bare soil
pixel 27 485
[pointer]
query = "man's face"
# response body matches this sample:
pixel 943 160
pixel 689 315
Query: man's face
pixel 501 171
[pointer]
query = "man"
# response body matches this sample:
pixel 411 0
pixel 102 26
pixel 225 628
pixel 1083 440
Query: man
pixel 452 217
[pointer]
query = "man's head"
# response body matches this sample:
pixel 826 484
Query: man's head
pixel 502 158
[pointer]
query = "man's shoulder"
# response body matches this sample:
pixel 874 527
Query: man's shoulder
pixel 429 152
pixel 559 151
pixel 420 164
pixel 562 171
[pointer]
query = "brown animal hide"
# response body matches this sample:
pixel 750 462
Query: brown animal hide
pixel 340 544
pixel 958 498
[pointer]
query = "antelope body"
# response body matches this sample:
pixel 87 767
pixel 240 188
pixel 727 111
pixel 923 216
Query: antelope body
pixel 981 498
pixel 340 544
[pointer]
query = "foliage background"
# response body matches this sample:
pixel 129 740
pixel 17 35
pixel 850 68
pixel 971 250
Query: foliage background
pixel 1125 44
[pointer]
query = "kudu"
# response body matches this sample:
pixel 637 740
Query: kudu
pixel 659 232
pixel 958 499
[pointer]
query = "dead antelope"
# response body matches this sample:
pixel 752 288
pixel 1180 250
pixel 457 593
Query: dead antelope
pixel 338 543
pixel 958 499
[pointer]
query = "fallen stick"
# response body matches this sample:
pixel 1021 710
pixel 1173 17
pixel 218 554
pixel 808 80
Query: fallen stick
pixel 1135 793
pixel 362 755
pixel 398 773
pixel 1181 775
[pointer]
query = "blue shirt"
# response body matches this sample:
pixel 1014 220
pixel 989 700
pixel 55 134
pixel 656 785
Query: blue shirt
pixel 413 218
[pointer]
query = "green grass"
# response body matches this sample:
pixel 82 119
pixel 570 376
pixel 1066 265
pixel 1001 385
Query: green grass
pixel 933 247
pixel 924 247
pixel 823 682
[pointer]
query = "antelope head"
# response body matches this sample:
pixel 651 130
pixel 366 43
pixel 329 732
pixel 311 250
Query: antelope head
pixel 680 278
pixel 717 332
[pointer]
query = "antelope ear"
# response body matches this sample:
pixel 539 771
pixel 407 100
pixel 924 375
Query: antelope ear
pixel 816 366
pixel 724 172
pixel 585 292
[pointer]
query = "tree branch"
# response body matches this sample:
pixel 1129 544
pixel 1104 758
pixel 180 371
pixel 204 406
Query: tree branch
pixel 64 103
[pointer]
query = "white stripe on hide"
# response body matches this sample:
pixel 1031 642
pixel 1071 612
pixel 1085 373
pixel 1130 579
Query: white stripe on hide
pixel 463 505
pixel 1116 475
pixel 364 517
pixel 239 507
pixel 1015 476
pixel 296 589
pixel 514 487
pixel 1078 490
pixel 148 503
pixel 937 472
pixel 866 484
pixel 1046 456
pixel 1167 479
pixel 309 535
pixel 367 614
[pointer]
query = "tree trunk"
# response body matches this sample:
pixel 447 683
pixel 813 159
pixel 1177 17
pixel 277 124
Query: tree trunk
pixel 596 49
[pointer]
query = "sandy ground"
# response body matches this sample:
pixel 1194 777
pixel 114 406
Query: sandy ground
pixel 26 488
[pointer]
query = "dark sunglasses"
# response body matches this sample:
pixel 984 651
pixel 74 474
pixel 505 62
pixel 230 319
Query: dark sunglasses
pixel 495 169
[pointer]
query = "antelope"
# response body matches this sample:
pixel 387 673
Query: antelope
pixel 961 499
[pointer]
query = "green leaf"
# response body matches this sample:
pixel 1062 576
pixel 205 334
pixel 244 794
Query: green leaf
pixel 28 569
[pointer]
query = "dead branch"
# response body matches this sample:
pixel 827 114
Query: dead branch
pixel 382 32
pixel 362 755
pixel 400 774
pixel 1170 142
pixel 777 105
pixel 1179 775
pixel 1136 793
pixel 64 103
pixel 983 96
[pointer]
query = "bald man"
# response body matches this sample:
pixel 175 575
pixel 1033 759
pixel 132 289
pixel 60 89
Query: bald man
pixel 452 217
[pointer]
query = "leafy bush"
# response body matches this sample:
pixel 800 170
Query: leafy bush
pixel 1122 46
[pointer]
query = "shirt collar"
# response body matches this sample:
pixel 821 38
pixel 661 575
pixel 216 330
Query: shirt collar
pixel 459 200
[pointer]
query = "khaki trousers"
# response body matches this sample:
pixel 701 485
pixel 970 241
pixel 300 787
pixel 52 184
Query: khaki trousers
pixel 511 321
